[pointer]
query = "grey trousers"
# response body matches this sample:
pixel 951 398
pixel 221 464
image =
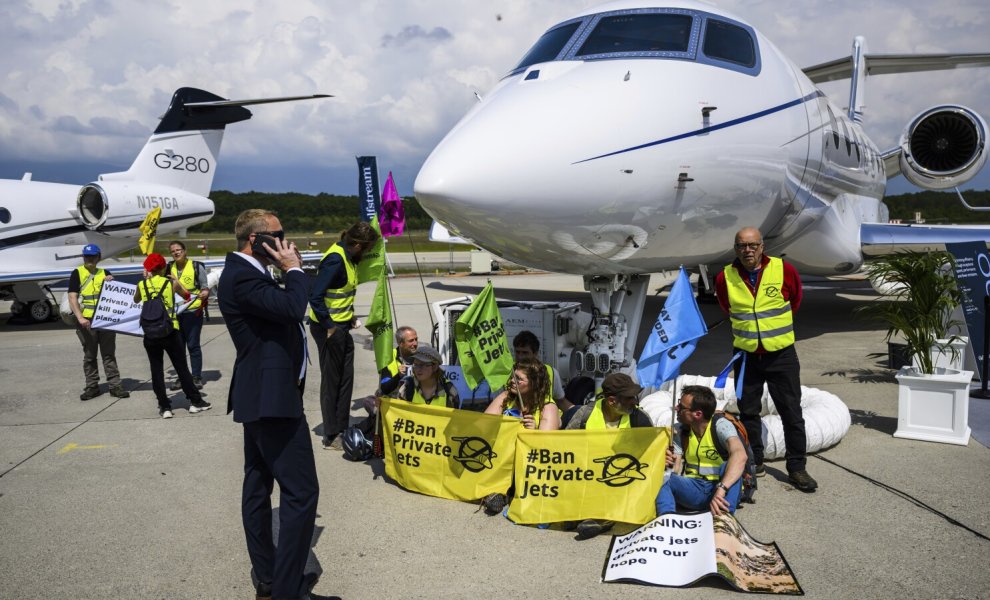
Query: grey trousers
pixel 104 342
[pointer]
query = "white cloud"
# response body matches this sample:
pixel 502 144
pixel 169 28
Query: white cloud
pixel 403 72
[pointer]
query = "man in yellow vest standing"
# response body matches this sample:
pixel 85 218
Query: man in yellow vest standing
pixel 761 294
pixel 85 285
pixel 714 458
pixel 331 317
pixel 192 275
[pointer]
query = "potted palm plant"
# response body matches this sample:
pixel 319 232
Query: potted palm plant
pixel 933 401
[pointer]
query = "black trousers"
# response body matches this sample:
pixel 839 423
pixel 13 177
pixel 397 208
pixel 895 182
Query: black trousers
pixel 781 372
pixel 171 345
pixel 279 450
pixel 336 377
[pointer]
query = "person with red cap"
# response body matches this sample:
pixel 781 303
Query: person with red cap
pixel 156 285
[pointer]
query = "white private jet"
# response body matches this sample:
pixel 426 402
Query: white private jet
pixel 634 138
pixel 43 226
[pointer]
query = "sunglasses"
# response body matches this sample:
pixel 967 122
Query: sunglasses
pixel 751 246
pixel 679 407
pixel 280 234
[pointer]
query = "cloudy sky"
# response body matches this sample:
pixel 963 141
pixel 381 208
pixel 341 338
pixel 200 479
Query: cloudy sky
pixel 84 81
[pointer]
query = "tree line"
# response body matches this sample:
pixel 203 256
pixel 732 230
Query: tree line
pixel 329 213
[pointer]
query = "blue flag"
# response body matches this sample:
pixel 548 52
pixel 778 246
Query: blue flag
pixel 674 337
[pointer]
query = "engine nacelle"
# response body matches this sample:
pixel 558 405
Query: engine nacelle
pixel 117 208
pixel 943 147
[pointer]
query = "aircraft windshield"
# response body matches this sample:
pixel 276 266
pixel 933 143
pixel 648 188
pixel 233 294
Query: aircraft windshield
pixel 549 46
pixel 649 33
pixel 639 33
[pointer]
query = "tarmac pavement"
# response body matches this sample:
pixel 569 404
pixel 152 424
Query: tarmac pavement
pixel 103 499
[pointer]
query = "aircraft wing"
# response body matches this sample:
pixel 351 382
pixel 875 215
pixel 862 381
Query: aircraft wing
pixel 883 64
pixel 879 239
pixel 117 268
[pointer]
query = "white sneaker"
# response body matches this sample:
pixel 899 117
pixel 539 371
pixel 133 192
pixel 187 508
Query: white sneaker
pixel 199 407
pixel 166 414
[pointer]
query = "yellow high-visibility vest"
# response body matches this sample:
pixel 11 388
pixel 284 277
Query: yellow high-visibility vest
pixel 340 301
pixel 596 420
pixel 701 458
pixel 765 318
pixel 89 294
pixel 188 280
pixel 155 283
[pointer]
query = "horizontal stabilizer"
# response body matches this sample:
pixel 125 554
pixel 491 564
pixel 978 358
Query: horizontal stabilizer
pixel 249 102
pixel 883 64
pixel 880 239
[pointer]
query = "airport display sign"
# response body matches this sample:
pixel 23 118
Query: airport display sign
pixel 973 278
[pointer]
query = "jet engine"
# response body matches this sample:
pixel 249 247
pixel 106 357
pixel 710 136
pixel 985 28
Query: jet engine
pixel 943 147
pixel 117 208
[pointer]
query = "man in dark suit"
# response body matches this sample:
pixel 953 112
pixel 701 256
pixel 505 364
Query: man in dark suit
pixel 265 324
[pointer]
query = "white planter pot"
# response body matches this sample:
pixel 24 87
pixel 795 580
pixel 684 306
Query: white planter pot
pixel 951 357
pixel 933 408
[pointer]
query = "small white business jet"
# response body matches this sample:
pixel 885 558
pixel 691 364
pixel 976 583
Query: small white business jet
pixel 44 226
pixel 634 138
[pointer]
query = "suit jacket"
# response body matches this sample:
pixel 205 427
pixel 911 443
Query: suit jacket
pixel 264 322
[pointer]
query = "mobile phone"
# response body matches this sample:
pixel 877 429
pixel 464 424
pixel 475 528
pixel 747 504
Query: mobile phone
pixel 258 250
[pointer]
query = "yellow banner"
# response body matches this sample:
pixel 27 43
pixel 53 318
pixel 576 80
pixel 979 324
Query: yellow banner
pixel 455 454
pixel 613 475
pixel 149 229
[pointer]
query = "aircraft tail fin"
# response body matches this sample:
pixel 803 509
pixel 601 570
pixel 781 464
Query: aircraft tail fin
pixel 182 152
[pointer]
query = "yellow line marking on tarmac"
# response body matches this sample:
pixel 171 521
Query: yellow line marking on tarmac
pixel 74 446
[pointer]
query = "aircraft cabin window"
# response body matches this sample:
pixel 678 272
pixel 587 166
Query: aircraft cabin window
pixel 4 215
pixel 638 33
pixel 549 46
pixel 728 42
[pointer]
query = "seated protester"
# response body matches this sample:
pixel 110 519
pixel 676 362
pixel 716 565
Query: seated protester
pixel 525 348
pixel 390 377
pixel 709 481
pixel 155 284
pixel 427 385
pixel 615 408
pixel 526 396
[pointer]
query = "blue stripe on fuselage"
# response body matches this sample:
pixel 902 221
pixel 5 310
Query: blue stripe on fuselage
pixel 704 130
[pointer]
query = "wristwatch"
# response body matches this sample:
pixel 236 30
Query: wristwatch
pixel 722 485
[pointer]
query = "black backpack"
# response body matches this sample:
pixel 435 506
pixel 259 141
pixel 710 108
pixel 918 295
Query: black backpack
pixel 749 484
pixel 155 321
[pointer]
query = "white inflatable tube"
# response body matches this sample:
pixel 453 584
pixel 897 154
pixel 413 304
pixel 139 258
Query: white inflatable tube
pixel 826 417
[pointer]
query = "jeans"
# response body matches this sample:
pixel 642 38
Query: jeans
pixel 191 326
pixel 693 493
pixel 171 345
pixel 105 343
pixel 336 377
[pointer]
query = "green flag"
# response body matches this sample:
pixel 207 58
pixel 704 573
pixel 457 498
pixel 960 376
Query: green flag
pixel 380 323
pixel 481 344
pixel 373 261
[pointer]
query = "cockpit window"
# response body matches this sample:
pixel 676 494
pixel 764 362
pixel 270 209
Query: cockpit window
pixel 638 33
pixel 549 46
pixel 728 42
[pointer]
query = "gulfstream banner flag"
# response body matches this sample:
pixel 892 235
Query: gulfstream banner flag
pixel 614 475
pixel 455 454
pixel 674 336
pixel 481 344
pixel 369 198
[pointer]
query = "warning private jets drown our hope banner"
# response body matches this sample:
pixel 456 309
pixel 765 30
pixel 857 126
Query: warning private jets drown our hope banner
pixel 559 475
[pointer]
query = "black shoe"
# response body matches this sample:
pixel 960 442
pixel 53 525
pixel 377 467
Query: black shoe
pixel 494 504
pixel 802 481
pixel 761 471
pixel 196 407
pixel 589 528
pixel 89 393
pixel 119 392
pixel 198 382
pixel 263 591
pixel 175 386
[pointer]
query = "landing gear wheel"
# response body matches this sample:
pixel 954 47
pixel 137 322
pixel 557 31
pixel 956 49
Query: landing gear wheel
pixel 41 311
